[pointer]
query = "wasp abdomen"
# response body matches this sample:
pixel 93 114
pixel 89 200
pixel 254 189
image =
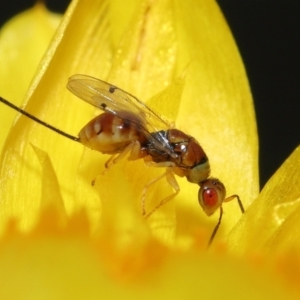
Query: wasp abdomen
pixel 110 134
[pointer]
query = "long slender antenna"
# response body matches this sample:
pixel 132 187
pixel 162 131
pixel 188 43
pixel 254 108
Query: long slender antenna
pixel 18 109
pixel 240 203
pixel 221 214
pixel 216 228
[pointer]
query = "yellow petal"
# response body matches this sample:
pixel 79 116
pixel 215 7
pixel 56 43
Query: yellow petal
pixel 51 196
pixel 60 264
pixel 184 53
pixel 220 277
pixel 23 42
pixel 272 221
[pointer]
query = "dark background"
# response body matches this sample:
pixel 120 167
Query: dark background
pixel 268 36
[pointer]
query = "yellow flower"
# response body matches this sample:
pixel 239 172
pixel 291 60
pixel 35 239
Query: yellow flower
pixel 20 53
pixel 68 239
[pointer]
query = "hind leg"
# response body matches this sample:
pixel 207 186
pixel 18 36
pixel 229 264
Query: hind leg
pixel 134 149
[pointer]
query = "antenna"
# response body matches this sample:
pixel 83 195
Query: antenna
pixel 18 109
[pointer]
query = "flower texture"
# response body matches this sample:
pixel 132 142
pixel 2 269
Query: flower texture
pixel 63 237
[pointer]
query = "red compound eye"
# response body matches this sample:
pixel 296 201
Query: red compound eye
pixel 211 195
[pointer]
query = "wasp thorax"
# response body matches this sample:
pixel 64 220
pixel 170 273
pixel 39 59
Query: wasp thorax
pixel 211 195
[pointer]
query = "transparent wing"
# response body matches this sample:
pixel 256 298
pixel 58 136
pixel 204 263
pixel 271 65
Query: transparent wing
pixel 106 96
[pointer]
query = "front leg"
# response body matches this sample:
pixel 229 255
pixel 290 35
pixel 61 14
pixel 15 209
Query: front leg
pixel 171 180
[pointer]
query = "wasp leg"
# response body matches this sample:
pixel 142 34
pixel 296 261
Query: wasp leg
pixel 171 180
pixel 107 165
pixel 109 162
pixel 165 164
pixel 133 149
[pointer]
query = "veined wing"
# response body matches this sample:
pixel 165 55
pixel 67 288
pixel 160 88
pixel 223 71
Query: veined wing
pixel 108 97
pixel 105 95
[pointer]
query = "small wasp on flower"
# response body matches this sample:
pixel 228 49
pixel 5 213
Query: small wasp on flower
pixel 129 126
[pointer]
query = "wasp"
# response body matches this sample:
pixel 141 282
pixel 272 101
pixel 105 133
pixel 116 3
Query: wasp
pixel 128 126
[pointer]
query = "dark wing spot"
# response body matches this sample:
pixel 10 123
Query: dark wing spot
pixel 112 89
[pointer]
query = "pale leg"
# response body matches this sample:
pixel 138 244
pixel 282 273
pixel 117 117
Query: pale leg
pixel 133 148
pixel 171 180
